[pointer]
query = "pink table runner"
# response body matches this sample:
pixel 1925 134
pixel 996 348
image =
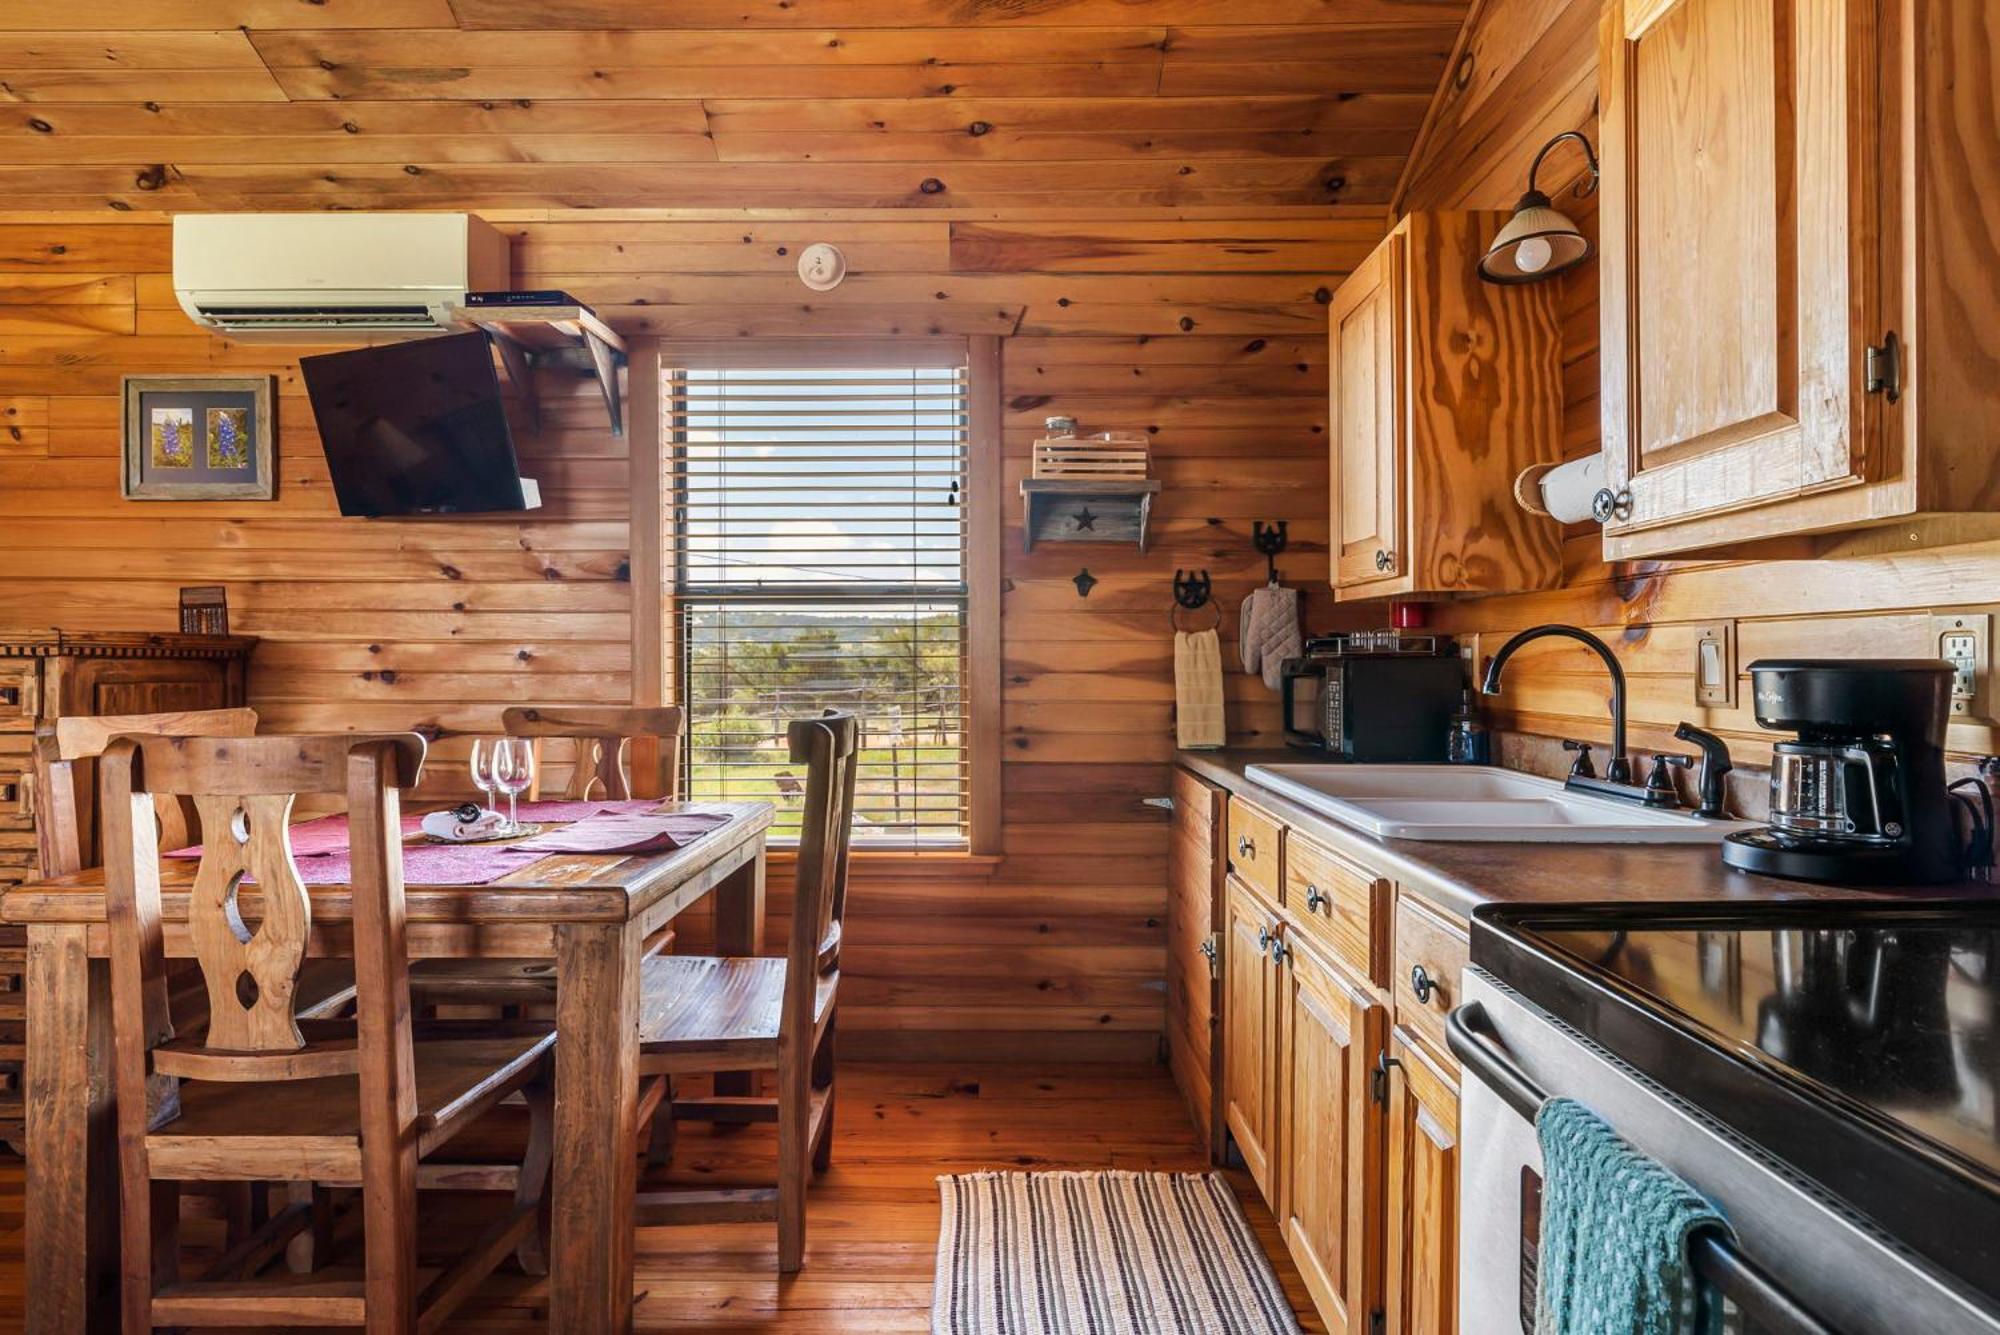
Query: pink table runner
pixel 319 847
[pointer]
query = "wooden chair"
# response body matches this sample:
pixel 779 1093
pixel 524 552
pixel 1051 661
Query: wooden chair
pixel 711 1014
pixel 606 742
pixel 68 836
pixel 258 1095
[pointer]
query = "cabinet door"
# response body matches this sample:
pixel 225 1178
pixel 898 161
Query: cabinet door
pixel 1739 221
pixel 1194 884
pixel 145 685
pixel 1422 1296
pixel 1365 360
pixel 1248 1004
pixel 1330 1141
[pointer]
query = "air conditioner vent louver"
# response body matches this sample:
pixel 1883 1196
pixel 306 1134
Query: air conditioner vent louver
pixel 322 317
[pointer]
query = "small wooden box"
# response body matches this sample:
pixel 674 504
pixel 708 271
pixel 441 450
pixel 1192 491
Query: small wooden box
pixel 1114 454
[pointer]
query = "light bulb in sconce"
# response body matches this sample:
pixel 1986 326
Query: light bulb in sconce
pixel 1532 255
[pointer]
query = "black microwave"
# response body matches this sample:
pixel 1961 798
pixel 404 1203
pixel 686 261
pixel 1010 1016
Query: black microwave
pixel 1377 697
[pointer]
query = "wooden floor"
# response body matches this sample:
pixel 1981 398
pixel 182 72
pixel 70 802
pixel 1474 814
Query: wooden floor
pixel 872 1232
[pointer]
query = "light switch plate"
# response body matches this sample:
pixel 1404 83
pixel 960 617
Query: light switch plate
pixel 1715 665
pixel 1965 640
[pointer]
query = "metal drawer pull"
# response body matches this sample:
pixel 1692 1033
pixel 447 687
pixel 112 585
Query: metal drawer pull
pixel 1263 938
pixel 1314 899
pixel 1245 847
pixel 1764 1303
pixel 1279 950
pixel 1421 984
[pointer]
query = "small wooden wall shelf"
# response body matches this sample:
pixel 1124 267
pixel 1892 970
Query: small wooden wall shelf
pixel 1086 510
pixel 531 337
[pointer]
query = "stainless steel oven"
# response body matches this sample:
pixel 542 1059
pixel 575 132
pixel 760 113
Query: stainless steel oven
pixel 1800 1264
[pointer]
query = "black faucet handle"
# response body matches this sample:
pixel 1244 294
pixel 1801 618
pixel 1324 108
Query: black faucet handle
pixel 1581 768
pixel 1660 787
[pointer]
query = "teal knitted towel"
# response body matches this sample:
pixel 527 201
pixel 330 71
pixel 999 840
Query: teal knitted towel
pixel 1615 1226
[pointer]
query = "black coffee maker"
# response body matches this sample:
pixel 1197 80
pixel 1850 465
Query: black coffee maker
pixel 1859 795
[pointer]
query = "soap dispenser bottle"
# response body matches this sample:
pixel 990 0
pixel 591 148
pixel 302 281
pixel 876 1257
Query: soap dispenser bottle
pixel 1468 742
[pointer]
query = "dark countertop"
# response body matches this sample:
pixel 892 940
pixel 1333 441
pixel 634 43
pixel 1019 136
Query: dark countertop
pixel 1457 877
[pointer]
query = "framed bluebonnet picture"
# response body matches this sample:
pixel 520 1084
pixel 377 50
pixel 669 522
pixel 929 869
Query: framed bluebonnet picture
pixel 200 438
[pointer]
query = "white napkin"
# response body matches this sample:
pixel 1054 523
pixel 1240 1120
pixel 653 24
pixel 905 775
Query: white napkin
pixel 447 825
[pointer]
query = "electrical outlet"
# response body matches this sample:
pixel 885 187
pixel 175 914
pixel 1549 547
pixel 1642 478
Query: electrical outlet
pixel 1965 640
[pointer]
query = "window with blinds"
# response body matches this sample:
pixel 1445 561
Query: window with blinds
pixel 820 564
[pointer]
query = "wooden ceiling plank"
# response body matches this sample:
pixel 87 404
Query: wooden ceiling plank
pixel 170 118
pixel 139 85
pixel 126 50
pixel 343 148
pixel 1083 112
pixel 1238 43
pixel 155 15
pixel 896 81
pixel 947 147
pixel 482 14
pixel 1164 247
pixel 1405 74
pixel 671 49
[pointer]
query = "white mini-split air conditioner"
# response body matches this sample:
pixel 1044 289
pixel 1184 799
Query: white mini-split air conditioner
pixel 298 276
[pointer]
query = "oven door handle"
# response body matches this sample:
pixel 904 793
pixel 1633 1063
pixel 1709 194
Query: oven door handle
pixel 1711 1254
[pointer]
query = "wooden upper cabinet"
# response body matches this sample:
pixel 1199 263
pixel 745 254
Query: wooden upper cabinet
pixel 1762 231
pixel 1367 430
pixel 1444 388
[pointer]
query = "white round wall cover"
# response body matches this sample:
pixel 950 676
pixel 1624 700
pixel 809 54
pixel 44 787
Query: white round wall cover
pixel 822 266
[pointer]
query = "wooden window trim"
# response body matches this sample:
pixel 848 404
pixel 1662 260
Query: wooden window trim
pixel 653 536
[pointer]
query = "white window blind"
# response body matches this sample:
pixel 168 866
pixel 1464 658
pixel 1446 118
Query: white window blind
pixel 820 564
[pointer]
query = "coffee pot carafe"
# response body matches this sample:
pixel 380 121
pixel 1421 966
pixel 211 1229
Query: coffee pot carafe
pixel 1859 794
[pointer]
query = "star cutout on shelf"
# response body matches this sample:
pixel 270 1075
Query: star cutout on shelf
pixel 1086 520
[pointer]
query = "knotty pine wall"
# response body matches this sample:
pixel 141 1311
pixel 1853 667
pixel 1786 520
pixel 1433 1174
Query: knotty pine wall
pixel 1211 335
pixel 1531 73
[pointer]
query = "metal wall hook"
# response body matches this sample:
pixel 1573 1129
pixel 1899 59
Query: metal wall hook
pixel 1270 539
pixel 1191 591
pixel 1191 588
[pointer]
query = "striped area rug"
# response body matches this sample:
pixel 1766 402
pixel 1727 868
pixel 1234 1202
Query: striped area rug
pixel 1101 1254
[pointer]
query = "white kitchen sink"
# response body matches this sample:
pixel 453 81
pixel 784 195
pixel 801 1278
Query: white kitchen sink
pixel 1478 802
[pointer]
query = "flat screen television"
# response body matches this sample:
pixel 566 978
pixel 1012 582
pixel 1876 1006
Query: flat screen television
pixel 416 428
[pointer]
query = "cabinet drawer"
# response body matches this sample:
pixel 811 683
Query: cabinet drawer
pixel 20 693
pixel 1430 956
pixel 1255 848
pixel 1344 906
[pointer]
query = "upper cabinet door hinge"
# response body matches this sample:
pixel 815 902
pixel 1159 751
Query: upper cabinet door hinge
pixel 1882 368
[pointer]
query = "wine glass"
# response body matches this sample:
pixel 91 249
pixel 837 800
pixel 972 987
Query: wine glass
pixel 514 771
pixel 482 771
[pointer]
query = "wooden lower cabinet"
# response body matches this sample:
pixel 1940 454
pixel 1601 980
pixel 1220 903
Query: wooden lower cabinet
pixel 1194 946
pixel 1249 1025
pixel 1330 1132
pixel 1422 1233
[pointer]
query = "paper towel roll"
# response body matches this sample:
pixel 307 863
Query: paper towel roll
pixel 1564 491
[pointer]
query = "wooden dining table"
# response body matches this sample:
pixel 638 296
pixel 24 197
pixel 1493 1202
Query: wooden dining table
pixel 592 915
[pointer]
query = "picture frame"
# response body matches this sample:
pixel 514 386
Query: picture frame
pixel 200 438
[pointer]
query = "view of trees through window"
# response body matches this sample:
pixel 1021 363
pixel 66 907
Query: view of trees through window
pixel 821 566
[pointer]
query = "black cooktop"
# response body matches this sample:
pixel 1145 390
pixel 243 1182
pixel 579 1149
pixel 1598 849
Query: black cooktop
pixel 1859 1043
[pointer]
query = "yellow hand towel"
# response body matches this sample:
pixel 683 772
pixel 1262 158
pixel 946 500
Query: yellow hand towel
pixel 1198 689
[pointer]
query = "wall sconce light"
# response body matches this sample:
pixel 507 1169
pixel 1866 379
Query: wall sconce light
pixel 1540 241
